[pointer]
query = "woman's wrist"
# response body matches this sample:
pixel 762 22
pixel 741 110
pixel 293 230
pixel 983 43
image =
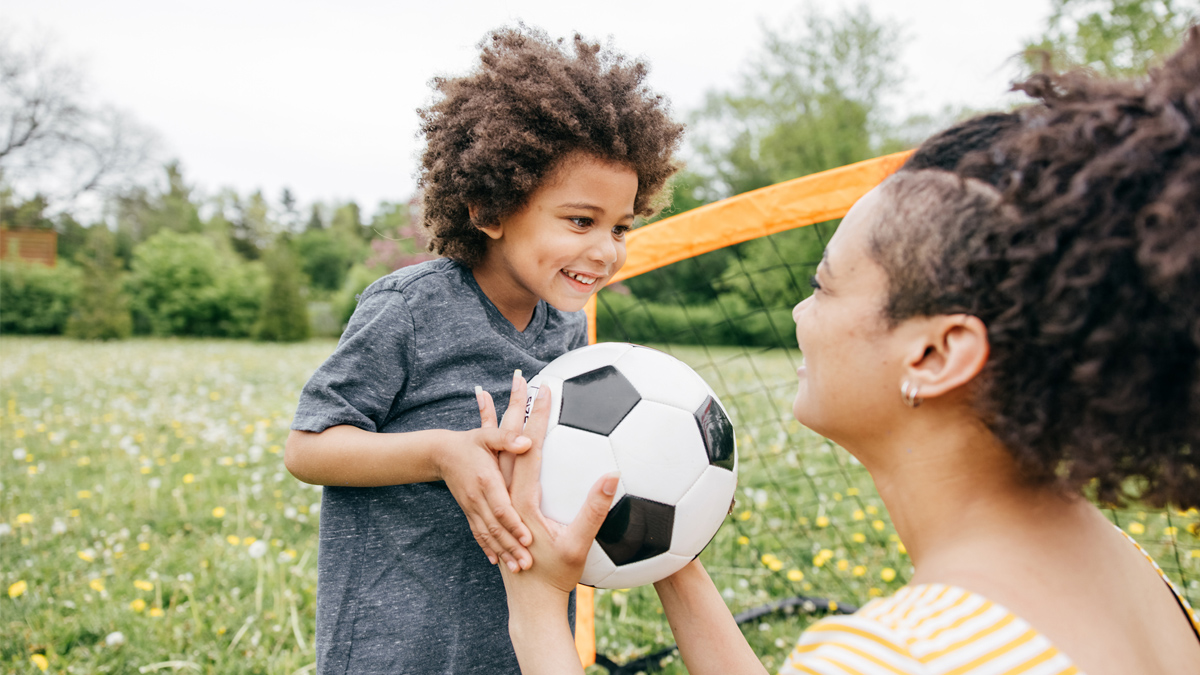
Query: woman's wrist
pixel 535 608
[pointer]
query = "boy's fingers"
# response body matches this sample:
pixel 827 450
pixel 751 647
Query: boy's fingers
pixel 487 408
pixel 579 534
pixel 503 440
pixel 514 415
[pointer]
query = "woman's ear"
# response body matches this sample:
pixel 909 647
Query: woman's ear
pixel 951 350
pixel 493 231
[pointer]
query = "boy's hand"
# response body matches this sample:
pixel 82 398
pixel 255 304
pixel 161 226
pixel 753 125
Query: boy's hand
pixel 472 472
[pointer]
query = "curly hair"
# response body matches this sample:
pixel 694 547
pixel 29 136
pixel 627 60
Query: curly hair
pixel 494 135
pixel 1087 275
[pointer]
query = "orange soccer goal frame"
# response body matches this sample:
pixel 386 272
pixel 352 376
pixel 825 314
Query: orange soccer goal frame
pixel 785 206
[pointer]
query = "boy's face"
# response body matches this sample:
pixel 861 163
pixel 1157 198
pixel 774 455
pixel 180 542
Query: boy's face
pixel 565 243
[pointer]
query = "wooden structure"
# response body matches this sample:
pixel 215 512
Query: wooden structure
pixel 40 246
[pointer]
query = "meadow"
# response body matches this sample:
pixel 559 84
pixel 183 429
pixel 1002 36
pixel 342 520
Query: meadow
pixel 147 522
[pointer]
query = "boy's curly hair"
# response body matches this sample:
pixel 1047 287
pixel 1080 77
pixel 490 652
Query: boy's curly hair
pixel 1087 275
pixel 495 134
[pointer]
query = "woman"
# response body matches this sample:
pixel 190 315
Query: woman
pixel 986 354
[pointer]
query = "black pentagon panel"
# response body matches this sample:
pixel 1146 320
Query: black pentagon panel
pixel 597 400
pixel 717 432
pixel 636 529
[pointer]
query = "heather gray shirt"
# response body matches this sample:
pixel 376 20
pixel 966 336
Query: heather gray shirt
pixel 402 587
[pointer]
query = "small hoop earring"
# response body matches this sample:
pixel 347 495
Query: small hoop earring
pixel 908 394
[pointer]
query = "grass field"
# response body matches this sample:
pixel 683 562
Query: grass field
pixel 147 522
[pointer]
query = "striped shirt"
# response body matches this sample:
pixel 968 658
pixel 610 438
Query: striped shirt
pixel 934 629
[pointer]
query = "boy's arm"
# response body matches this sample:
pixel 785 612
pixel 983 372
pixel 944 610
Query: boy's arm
pixel 708 637
pixel 345 455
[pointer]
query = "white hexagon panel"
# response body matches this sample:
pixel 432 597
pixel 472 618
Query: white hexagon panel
pixel 659 451
pixel 636 573
pixel 580 361
pixel 572 462
pixel 662 378
pixel 700 513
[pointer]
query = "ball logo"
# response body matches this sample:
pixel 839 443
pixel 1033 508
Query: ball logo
pixel 617 406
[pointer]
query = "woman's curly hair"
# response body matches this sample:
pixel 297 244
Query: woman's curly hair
pixel 495 134
pixel 1087 275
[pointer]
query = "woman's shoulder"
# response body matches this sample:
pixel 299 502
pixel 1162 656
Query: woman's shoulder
pixel 927 629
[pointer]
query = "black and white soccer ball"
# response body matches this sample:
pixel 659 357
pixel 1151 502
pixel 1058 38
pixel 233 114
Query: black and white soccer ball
pixel 616 406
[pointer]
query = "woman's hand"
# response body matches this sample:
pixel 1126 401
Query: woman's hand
pixel 537 597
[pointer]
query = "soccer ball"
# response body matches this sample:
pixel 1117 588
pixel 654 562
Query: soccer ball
pixel 616 406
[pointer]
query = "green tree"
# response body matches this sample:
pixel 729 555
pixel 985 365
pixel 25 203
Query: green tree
pixel 35 299
pixel 284 314
pixel 327 255
pixel 1113 37
pixel 101 310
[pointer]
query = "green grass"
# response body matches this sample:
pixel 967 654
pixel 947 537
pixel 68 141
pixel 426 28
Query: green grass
pixel 143 491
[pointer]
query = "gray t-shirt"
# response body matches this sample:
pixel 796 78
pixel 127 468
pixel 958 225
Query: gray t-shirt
pixel 402 587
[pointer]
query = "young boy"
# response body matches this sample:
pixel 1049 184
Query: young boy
pixel 536 165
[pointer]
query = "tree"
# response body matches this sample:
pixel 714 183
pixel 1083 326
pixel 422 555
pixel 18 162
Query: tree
pixel 1114 37
pixel 284 314
pixel 101 310
pixel 53 140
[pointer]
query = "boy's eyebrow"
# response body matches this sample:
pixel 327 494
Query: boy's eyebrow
pixel 587 207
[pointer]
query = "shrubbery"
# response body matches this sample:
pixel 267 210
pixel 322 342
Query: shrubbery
pixel 728 320
pixel 283 316
pixel 35 299
pixel 181 284
pixel 101 310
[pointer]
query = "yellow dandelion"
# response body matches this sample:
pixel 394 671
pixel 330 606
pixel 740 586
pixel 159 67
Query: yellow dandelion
pixel 145 470
pixel 767 558
pixel 96 585
pixel 902 548
pixel 84 461
pixel 851 492
pixel 222 630
pixel 837 496
pixel 859 570
pixel 1170 531
pixel 155 612
pixel 214 396
pixel 274 449
pixel 24 518
pixel 74 444
pixel 887 574
pixel 802 520
pixel 795 575
pixel 225 461
pixel 859 537
pixel 189 478
pixel 175 458
pixel 233 540
pixel 18 589
pixel 843 565
pixel 137 605
pixel 143 585
pixel 32 471
pixel 874 592
pixel 218 512
pixel 822 521
pixel 872 510
pixel 85 556
pixel 248 429
pixel 144 546
pixel 775 565
pixel 40 661
pixel 878 525
pixel 744 515
pixel 858 515
pixel 743 540
pixel 1136 528
pixel 832 606
pixel 84 494
pixel 74 513
pixel 20 433
pixel 249 540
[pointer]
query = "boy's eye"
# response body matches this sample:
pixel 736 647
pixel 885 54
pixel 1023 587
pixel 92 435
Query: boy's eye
pixel 620 230
pixel 581 221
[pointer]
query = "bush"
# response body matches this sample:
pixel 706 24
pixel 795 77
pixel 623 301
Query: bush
pixel 728 320
pixel 283 316
pixel 357 280
pixel 326 256
pixel 101 311
pixel 181 284
pixel 35 299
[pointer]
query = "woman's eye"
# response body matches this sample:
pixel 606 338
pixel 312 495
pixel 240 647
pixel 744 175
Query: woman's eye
pixel 812 281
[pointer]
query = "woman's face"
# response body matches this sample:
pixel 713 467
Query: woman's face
pixel 850 378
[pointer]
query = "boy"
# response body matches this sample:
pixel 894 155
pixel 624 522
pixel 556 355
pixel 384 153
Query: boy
pixel 536 165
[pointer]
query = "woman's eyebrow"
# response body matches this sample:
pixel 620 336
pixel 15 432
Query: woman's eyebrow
pixel 825 261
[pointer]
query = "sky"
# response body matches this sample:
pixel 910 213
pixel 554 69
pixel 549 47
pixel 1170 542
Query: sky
pixel 321 97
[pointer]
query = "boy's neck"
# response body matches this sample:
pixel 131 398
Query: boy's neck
pixel 515 302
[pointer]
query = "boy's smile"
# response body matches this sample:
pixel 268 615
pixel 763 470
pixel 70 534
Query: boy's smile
pixel 564 244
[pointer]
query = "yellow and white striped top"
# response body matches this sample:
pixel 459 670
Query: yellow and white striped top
pixel 934 629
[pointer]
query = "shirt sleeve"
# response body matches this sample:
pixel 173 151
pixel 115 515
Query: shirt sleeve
pixel 361 381
pixel 851 645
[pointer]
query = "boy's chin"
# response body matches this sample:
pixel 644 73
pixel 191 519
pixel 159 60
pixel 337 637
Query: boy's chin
pixel 568 304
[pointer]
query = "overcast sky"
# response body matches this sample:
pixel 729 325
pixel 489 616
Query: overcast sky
pixel 321 96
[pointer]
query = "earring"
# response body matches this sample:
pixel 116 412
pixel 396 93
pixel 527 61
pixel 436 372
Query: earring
pixel 908 394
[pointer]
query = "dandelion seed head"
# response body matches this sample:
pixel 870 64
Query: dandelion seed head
pixel 115 639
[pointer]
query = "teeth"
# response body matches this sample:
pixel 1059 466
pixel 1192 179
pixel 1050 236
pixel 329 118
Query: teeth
pixel 580 278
